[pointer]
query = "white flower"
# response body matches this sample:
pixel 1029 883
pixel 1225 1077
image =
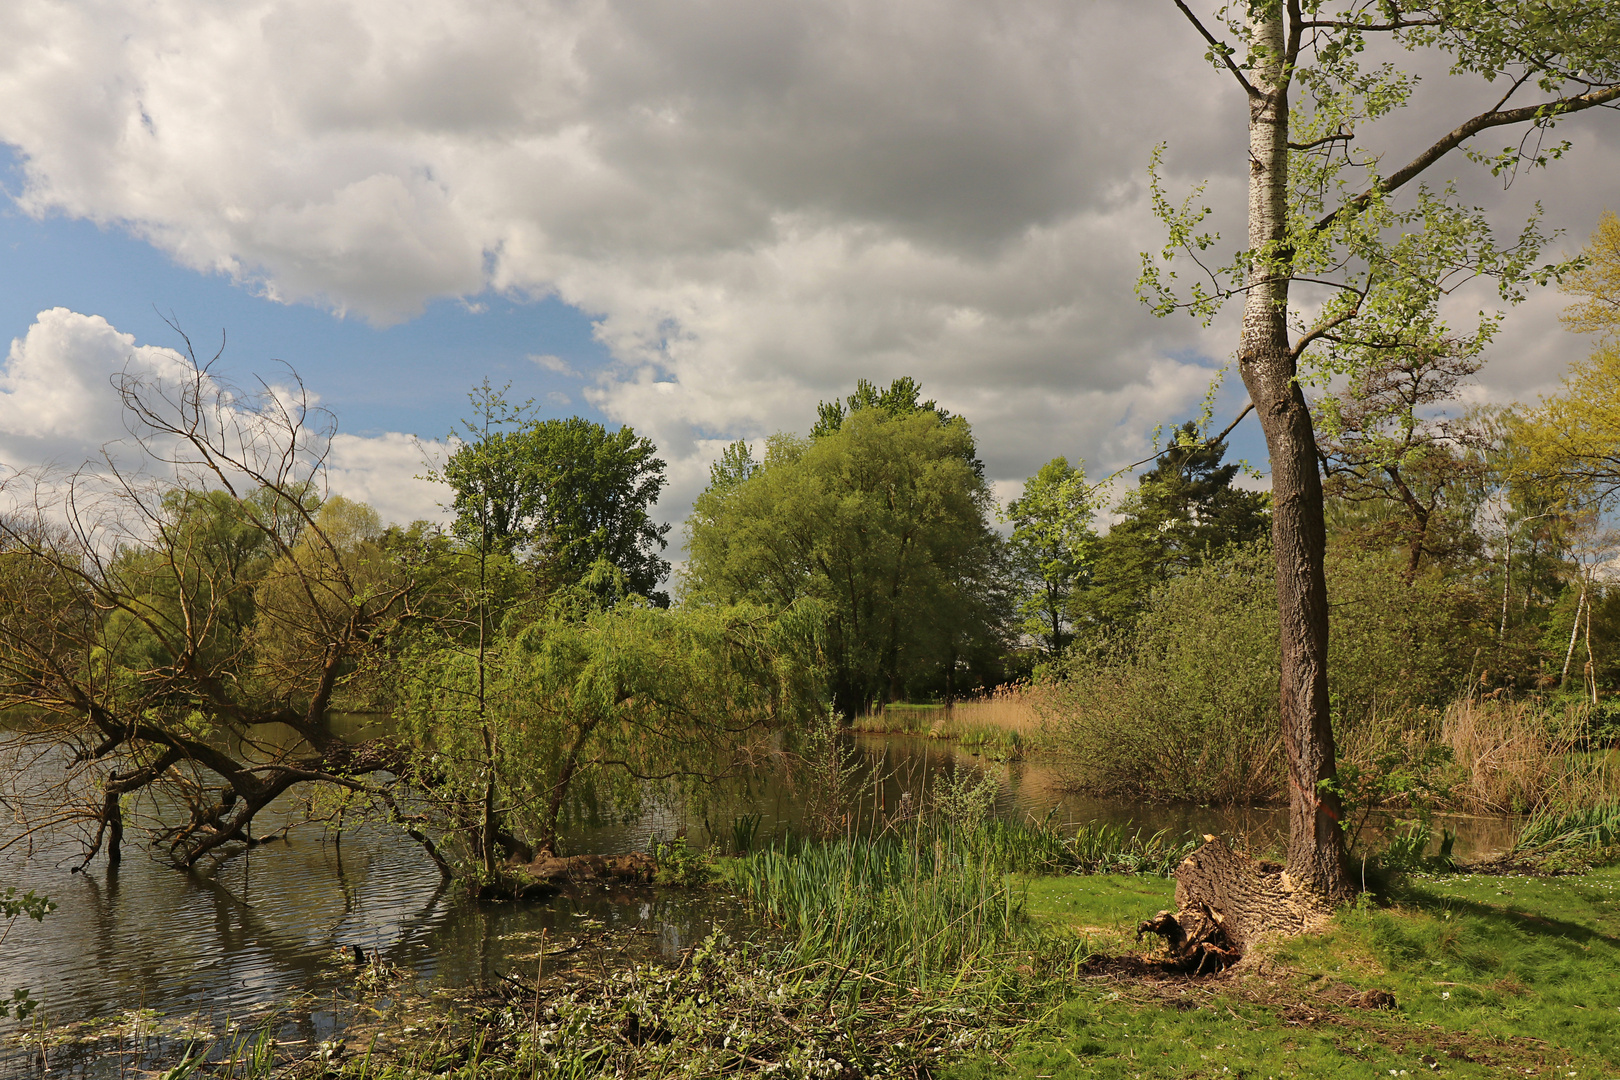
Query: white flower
pixel 1445 995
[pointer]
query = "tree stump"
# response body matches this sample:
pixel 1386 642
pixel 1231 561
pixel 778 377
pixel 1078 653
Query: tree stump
pixel 1224 903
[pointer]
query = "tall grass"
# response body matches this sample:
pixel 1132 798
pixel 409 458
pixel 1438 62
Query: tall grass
pixel 911 907
pixel 1523 756
pixel 1010 708
pixel 1596 825
pixel 932 900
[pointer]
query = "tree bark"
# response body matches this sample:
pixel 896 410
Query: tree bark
pixel 1225 901
pixel 1316 855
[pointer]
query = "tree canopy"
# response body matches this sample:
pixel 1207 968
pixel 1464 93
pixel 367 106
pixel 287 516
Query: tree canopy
pixel 1184 511
pixel 884 519
pixel 562 494
pixel 1051 549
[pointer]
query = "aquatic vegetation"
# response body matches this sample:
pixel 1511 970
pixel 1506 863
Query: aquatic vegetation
pixel 1570 836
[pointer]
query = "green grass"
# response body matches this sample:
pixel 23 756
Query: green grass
pixel 916 906
pixel 1492 976
pixel 994 743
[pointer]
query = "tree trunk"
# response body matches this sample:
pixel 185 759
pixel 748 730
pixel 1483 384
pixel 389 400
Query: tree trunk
pixel 113 815
pixel 1574 631
pixel 1317 864
pixel 1225 901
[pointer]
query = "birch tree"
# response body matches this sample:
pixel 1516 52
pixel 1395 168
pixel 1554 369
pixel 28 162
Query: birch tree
pixel 1349 255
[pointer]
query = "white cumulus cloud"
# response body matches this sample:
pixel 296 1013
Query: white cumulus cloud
pixel 758 202
pixel 59 407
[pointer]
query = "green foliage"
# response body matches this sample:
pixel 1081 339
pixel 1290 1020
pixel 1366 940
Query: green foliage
pixel 1184 704
pixel 586 707
pixel 964 797
pixel 680 866
pixel 902 398
pixel 827 776
pixel 744 832
pixel 1050 549
pixel 13 907
pixel 884 521
pixel 1383 443
pixel 565 494
pixel 1184 512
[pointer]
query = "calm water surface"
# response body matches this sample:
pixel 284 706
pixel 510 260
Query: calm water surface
pixel 229 943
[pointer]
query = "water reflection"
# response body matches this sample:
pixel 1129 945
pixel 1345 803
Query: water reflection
pixel 263 925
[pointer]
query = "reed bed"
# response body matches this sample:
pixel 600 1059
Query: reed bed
pixel 1006 708
pixel 914 907
pixel 1523 756
pixel 1002 725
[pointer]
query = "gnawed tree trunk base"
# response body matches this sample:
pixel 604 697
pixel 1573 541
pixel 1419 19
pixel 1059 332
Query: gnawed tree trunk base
pixel 1225 902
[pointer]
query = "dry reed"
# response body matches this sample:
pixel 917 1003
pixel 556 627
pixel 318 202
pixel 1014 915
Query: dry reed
pixel 1010 708
pixel 1520 756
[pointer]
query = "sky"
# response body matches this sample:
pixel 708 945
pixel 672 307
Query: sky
pixel 695 217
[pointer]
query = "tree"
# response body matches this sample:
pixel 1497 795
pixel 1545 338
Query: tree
pixel 166 632
pixel 591 705
pixel 1373 251
pixel 884 520
pixel 1051 548
pixel 564 493
pixel 1382 445
pixel 1571 443
pixel 1183 512
pixel 1598 280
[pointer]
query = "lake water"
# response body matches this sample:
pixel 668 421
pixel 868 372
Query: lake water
pixel 229 944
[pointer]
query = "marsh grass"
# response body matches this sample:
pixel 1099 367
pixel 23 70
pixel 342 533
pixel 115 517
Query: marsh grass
pixel 1011 708
pixel 1522 756
pixel 1563 838
pixel 936 900
pixel 906 909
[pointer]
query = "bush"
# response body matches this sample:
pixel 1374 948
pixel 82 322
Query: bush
pixel 1184 705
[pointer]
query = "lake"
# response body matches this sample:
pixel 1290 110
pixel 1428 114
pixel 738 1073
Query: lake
pixel 234 943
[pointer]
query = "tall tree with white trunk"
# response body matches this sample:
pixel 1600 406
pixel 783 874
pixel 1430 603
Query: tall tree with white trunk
pixel 1348 264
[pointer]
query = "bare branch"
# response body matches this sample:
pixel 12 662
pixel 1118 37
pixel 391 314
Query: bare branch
pixel 1220 49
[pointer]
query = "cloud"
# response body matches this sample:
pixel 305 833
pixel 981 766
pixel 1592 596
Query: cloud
pixel 759 203
pixel 58 403
pixel 59 407
pixel 552 363
pixel 386 472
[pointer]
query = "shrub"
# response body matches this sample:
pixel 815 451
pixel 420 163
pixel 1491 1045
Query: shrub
pixel 1183 706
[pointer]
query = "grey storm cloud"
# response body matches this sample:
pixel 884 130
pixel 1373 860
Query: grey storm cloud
pixel 757 202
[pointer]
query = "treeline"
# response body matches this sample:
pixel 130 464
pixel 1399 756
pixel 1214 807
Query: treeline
pixel 193 638
pixel 180 650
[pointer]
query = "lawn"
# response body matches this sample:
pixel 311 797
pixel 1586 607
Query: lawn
pixel 1490 976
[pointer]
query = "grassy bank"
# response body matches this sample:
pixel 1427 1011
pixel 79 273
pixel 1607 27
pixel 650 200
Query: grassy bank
pixel 984 949
pixel 1489 976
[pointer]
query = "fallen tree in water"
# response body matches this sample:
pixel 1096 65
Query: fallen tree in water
pixel 179 634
